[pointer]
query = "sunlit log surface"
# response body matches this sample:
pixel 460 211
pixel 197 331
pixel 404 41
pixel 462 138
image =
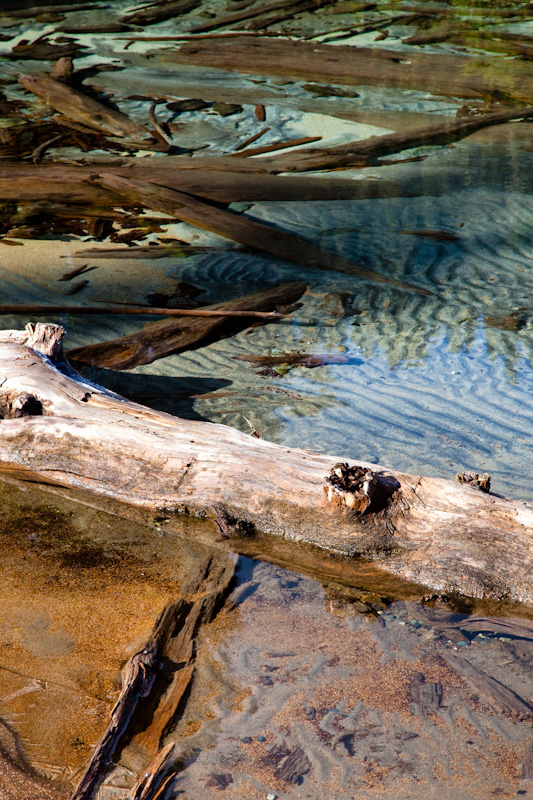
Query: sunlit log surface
pixel 67 431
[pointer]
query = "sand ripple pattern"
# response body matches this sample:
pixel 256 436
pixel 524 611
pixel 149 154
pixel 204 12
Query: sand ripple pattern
pixel 430 387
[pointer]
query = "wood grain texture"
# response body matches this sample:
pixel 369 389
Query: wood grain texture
pixel 441 534
pixel 77 106
pixel 240 228
pixel 356 66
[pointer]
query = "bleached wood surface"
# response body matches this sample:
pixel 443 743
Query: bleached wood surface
pixel 442 534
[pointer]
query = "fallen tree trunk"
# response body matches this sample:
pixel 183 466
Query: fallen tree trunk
pixel 240 228
pixel 67 431
pixel 358 66
pixel 241 180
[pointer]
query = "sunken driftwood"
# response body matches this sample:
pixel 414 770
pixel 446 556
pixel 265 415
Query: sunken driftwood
pixel 240 228
pixel 64 430
pixel 155 681
pixel 225 179
pixel 359 66
pixel 168 336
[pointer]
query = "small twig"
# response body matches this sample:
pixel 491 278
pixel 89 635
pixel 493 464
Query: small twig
pixel 160 312
pixel 252 139
pixel 39 151
pixel 268 148
pixel 158 130
pixel 188 38
pixel 253 431
pixel 76 287
pixel 75 272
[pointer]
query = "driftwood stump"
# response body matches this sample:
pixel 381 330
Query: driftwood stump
pixel 59 428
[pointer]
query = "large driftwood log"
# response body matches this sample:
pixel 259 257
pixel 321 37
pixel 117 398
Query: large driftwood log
pixel 221 178
pixel 355 66
pixel 67 431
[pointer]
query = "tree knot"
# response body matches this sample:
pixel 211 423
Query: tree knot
pixel 473 479
pixel 351 487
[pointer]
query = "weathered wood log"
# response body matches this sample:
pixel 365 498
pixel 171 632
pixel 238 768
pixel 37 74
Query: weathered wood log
pixel 168 336
pixel 156 678
pixel 437 73
pixel 243 230
pixel 225 179
pixel 77 106
pixel 138 681
pixel 65 430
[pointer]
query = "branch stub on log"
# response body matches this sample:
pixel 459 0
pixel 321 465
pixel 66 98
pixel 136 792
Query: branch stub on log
pixel 355 488
pixel 481 482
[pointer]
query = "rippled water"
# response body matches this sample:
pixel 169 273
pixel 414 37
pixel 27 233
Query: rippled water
pixel 376 699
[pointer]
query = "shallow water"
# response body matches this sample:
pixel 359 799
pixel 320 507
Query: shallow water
pixel 292 668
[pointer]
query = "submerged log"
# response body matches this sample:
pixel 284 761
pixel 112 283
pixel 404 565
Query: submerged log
pixel 168 336
pixel 62 429
pixel 225 179
pixel 428 72
pixel 240 228
pixel 156 679
pixel 77 106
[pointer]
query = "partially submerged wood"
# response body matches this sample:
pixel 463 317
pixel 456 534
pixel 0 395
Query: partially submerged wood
pixel 168 336
pixel 132 310
pixel 225 179
pixel 77 106
pixel 139 677
pixel 360 153
pixel 156 678
pixel 268 148
pixel 154 781
pixel 445 535
pixel 242 229
pixel 501 698
pixel 438 73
